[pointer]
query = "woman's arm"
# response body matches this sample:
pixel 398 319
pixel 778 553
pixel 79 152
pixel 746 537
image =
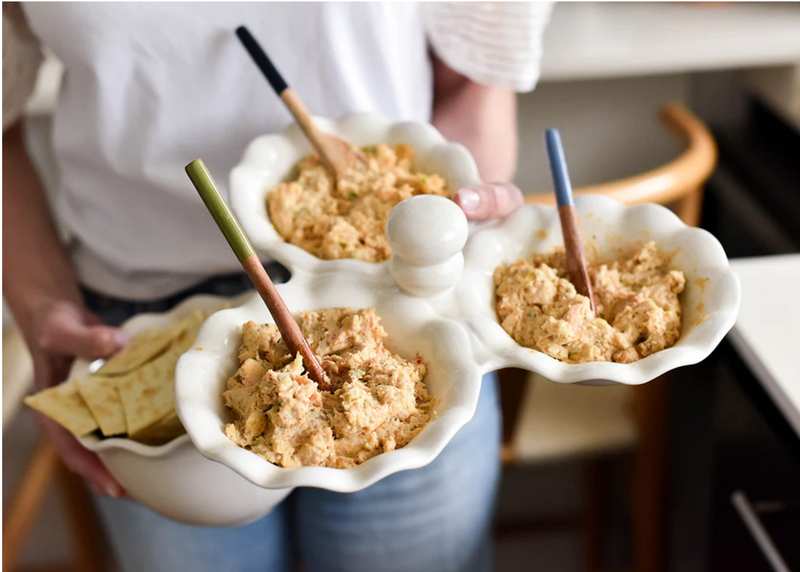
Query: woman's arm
pixel 42 293
pixel 37 270
pixel 38 282
pixel 484 120
pixel 485 52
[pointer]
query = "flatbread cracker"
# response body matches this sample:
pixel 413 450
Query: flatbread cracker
pixel 132 393
pixel 102 398
pixel 143 348
pixel 187 331
pixel 148 394
pixel 162 431
pixel 64 405
pixel 150 344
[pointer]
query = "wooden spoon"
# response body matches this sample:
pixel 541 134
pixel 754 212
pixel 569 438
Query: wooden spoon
pixel 573 244
pixel 336 155
pixel 240 244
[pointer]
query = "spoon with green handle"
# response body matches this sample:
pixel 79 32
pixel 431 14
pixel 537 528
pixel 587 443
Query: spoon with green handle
pixel 240 244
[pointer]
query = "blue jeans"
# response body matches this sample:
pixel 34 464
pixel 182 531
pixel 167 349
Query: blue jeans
pixel 435 519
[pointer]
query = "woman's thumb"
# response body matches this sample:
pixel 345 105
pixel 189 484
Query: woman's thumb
pixel 64 331
pixel 489 200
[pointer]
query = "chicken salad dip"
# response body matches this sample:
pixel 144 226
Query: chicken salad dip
pixel 378 400
pixel 348 219
pixel 638 306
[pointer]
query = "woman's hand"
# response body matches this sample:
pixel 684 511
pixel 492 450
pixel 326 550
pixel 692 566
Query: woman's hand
pixel 489 200
pixel 58 334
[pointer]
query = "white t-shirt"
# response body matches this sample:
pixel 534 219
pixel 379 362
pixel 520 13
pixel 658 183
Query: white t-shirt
pixel 148 87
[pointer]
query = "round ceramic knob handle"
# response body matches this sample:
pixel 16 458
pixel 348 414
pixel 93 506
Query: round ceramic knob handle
pixel 426 234
pixel 426 229
pixel 430 280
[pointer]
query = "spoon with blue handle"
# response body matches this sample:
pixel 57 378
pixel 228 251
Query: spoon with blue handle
pixel 573 244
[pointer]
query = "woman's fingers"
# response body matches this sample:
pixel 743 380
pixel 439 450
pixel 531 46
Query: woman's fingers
pixel 60 332
pixel 64 331
pixel 80 460
pixel 489 200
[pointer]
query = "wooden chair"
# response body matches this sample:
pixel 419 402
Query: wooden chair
pixel 44 470
pixel 678 184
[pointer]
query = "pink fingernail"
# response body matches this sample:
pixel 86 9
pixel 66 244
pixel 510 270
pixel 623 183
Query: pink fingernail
pixel 468 200
pixel 112 491
pixel 122 338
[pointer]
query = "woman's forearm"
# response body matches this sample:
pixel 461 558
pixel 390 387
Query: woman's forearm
pixel 36 268
pixel 483 119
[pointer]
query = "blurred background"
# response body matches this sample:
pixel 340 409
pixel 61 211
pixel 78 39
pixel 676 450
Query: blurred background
pixel 697 472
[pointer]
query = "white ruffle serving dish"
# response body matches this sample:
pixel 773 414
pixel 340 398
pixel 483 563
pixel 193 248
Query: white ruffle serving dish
pixel 445 312
pixel 435 298
pixel 174 479
pixel 270 159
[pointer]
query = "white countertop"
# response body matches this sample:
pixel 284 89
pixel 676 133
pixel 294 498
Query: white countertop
pixel 766 333
pixel 601 40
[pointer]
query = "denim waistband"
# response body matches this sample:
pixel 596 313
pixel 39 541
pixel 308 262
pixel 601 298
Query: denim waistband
pixel 114 311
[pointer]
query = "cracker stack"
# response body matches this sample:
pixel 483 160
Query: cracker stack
pixel 132 394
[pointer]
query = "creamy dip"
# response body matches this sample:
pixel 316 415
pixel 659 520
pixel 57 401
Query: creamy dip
pixel 639 312
pixel 378 403
pixel 348 220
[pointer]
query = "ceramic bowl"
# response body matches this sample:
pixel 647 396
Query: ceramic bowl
pixel 710 300
pixel 270 159
pixel 174 479
pixel 414 327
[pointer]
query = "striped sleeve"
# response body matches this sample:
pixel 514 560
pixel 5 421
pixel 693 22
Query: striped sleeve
pixel 497 44
pixel 22 55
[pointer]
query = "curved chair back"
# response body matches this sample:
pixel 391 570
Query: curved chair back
pixel 680 181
